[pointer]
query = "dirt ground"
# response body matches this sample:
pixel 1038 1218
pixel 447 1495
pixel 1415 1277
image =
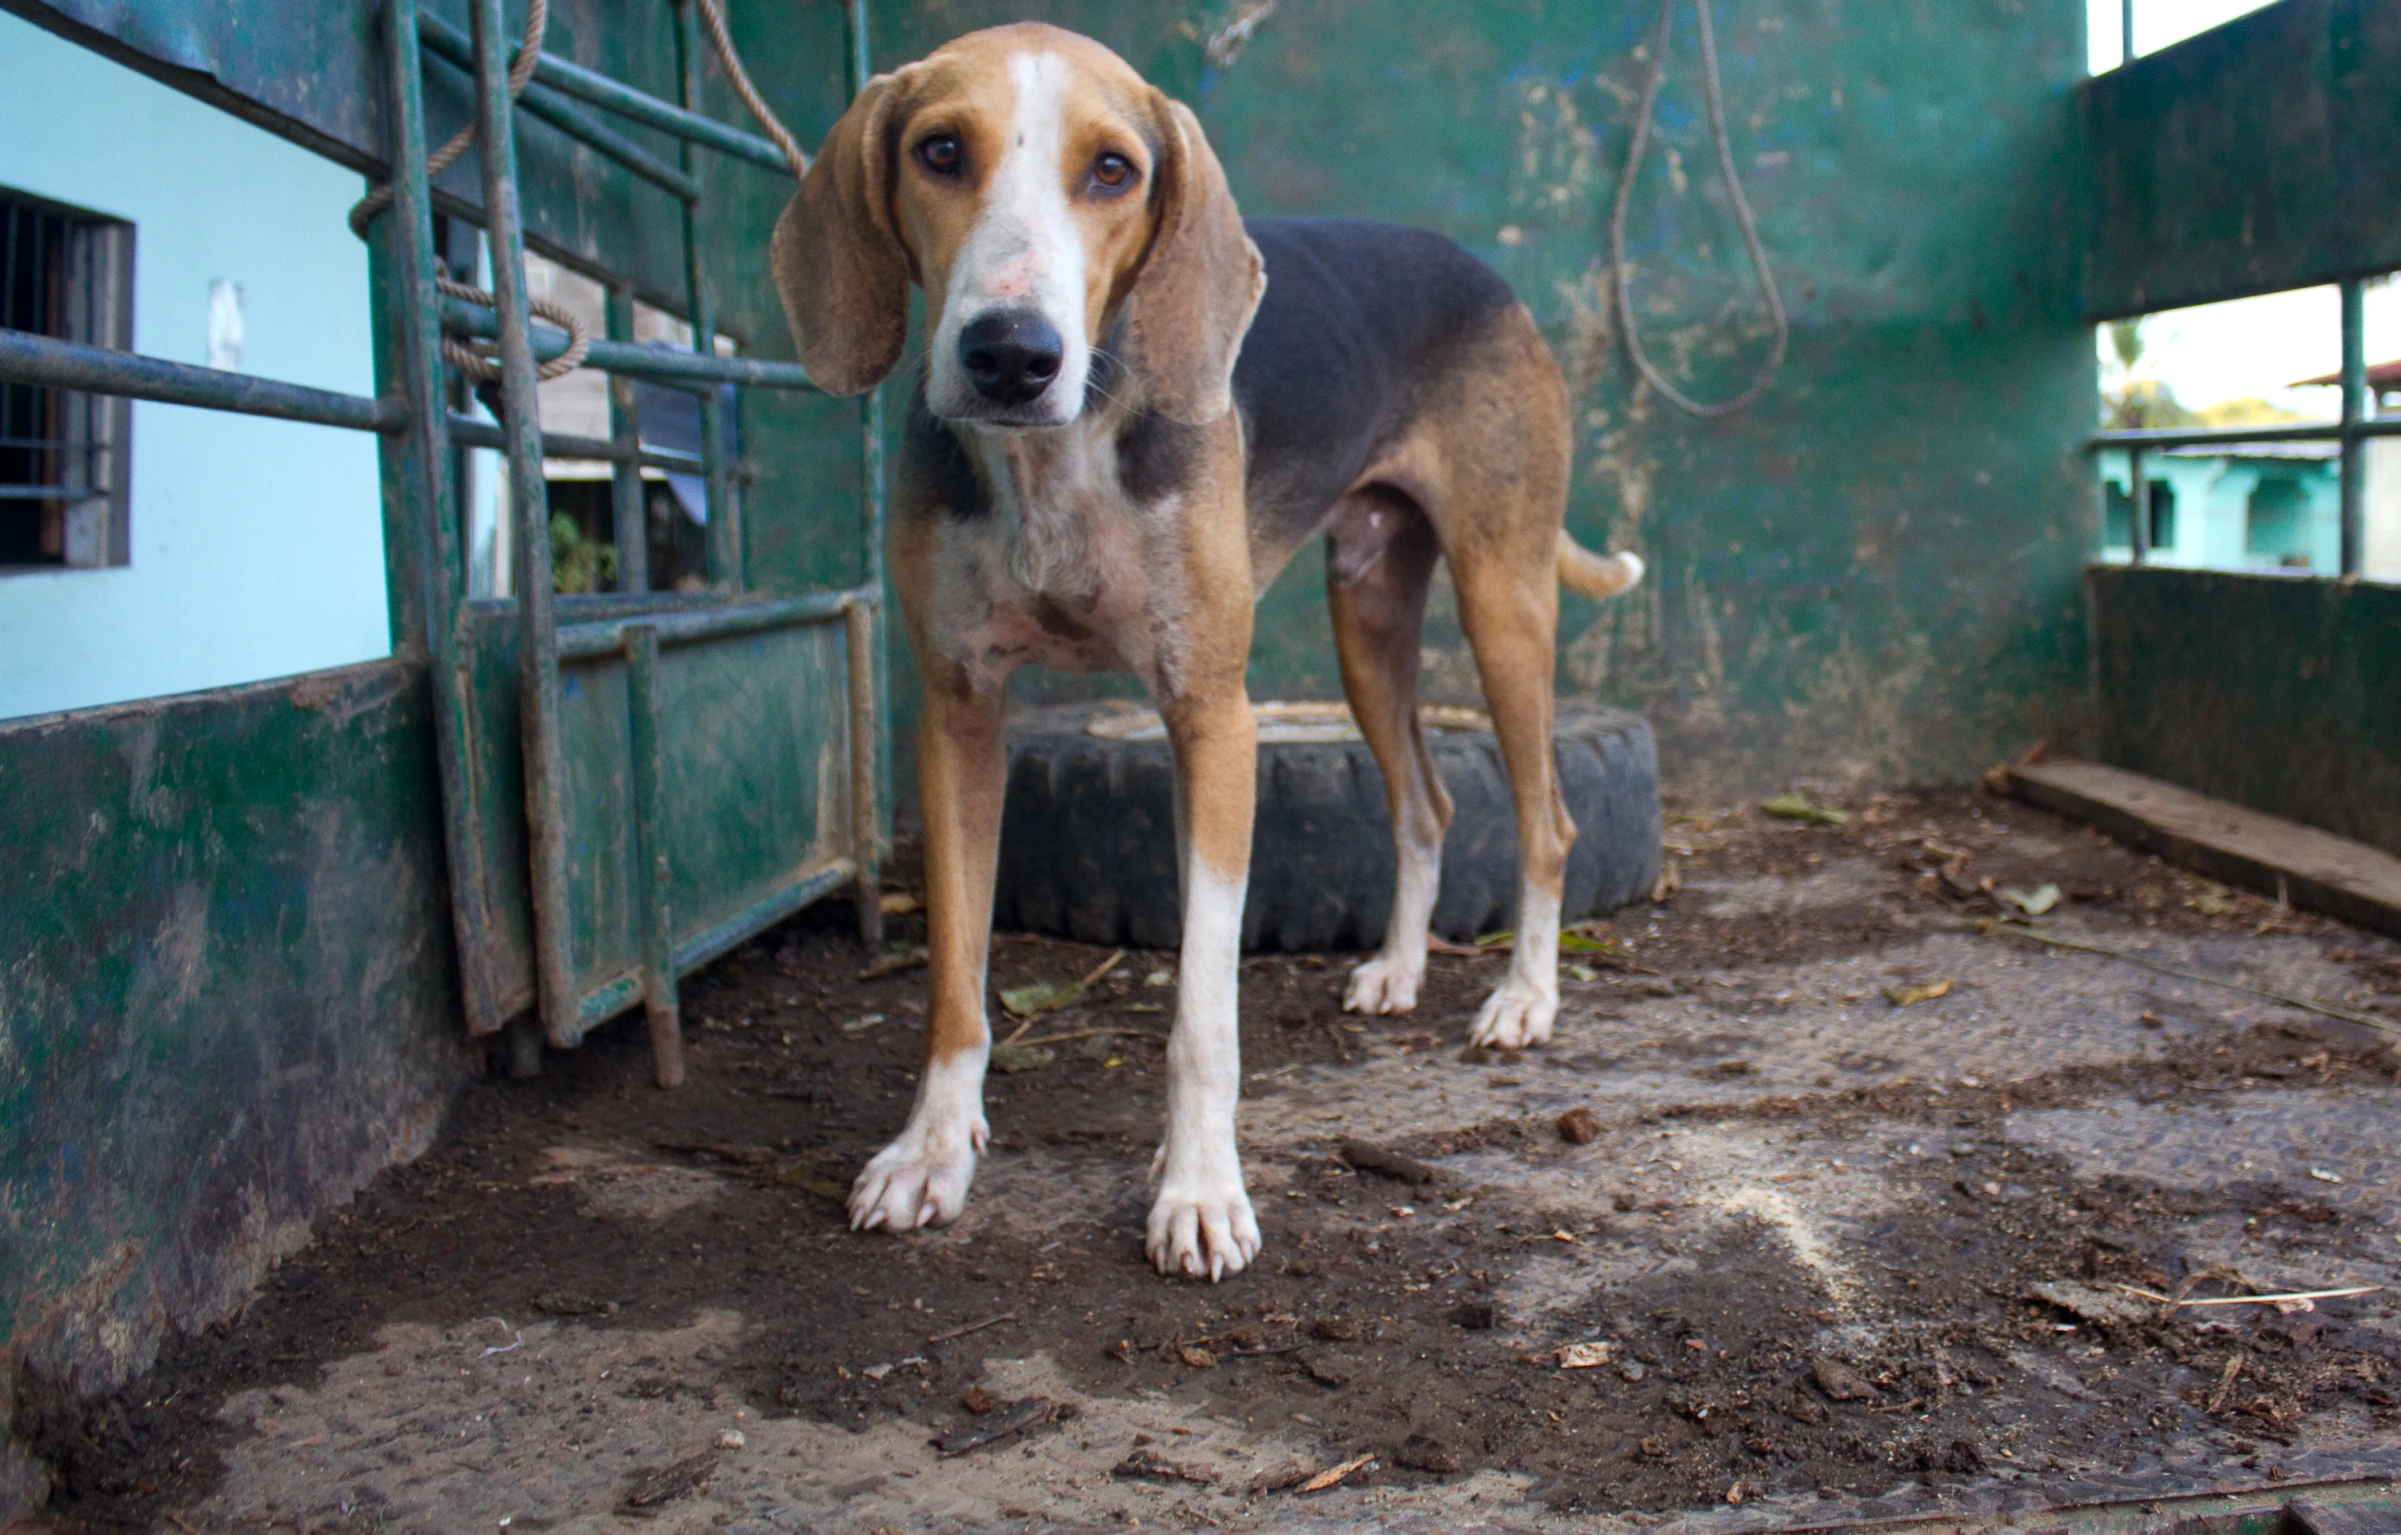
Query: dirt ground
pixel 1805 1239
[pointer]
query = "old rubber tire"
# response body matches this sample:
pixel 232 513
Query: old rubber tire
pixel 1087 847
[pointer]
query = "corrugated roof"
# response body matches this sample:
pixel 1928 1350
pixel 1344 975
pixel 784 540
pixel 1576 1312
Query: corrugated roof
pixel 2381 375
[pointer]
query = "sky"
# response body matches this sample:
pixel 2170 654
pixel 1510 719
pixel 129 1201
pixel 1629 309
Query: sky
pixel 2252 346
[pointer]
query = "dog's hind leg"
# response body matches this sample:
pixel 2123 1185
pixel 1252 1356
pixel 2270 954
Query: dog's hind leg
pixel 1504 498
pixel 1380 560
pixel 1511 616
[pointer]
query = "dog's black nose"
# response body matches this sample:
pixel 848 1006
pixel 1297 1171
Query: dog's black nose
pixel 1011 355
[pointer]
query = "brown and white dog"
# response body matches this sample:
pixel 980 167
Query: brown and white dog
pixel 1099 471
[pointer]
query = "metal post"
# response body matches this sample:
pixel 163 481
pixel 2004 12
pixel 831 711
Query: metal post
pixel 2126 30
pixel 524 1041
pixel 725 519
pixel 2138 508
pixel 871 477
pixel 537 634
pixel 866 817
pixel 429 488
pixel 2355 411
pixel 627 511
pixel 653 861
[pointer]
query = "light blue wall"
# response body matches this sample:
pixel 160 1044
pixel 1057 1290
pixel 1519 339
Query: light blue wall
pixel 257 545
pixel 2213 503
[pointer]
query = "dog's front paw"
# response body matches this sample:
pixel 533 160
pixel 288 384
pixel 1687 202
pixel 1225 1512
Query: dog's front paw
pixel 1514 1016
pixel 1201 1231
pixel 1385 984
pixel 919 1180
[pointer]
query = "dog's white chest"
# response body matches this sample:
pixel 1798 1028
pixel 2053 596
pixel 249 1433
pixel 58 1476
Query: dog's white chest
pixel 1062 571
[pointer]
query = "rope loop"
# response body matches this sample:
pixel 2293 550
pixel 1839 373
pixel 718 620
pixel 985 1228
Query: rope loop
pixel 1619 277
pixel 478 357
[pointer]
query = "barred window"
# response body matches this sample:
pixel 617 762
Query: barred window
pixel 64 455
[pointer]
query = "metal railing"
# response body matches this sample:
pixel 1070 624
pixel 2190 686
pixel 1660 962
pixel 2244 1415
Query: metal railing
pixel 2352 433
pixel 423 433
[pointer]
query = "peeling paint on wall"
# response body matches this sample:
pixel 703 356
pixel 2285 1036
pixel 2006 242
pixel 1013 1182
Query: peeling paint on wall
pixel 235 1008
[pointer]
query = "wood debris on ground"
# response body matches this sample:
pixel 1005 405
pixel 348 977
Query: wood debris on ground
pixel 1149 1466
pixel 1335 1476
pixel 670 1482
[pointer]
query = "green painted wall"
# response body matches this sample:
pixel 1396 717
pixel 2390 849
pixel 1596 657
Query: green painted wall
pixel 225 996
pixel 2272 691
pixel 1870 575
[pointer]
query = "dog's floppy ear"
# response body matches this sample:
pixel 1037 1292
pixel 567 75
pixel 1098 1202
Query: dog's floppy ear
pixel 1200 280
pixel 838 260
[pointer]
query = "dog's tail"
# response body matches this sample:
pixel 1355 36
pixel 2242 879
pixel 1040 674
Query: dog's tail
pixel 1595 575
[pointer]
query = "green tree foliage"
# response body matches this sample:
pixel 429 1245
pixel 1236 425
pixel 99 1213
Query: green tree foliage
pixel 577 564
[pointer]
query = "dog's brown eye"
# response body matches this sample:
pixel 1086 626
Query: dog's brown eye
pixel 1112 171
pixel 940 154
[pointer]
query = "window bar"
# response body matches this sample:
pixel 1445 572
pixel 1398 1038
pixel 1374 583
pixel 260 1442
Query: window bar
pixel 427 489
pixel 2355 392
pixel 75 411
pixel 53 403
pixel 2138 507
pixel 537 644
pixel 20 433
pixel 725 526
pixel 627 513
pixel 869 757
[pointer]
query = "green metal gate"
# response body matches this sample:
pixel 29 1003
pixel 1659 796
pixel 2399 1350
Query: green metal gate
pixel 690 768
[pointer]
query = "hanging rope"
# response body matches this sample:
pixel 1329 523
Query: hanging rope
pixel 1618 276
pixel 521 69
pixel 712 12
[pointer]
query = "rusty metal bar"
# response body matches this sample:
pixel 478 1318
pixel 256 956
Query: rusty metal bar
pixel 611 997
pixel 818 880
pixel 404 233
pixel 524 1045
pixel 2355 411
pixel 2138 507
pixel 606 637
pixel 629 520
pixel 2236 436
pixel 654 865
pixel 599 90
pixel 48 362
pixel 866 820
pixel 859 68
pixel 468 432
pixel 659 365
pixel 725 519
pixel 537 645
pixel 449 42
